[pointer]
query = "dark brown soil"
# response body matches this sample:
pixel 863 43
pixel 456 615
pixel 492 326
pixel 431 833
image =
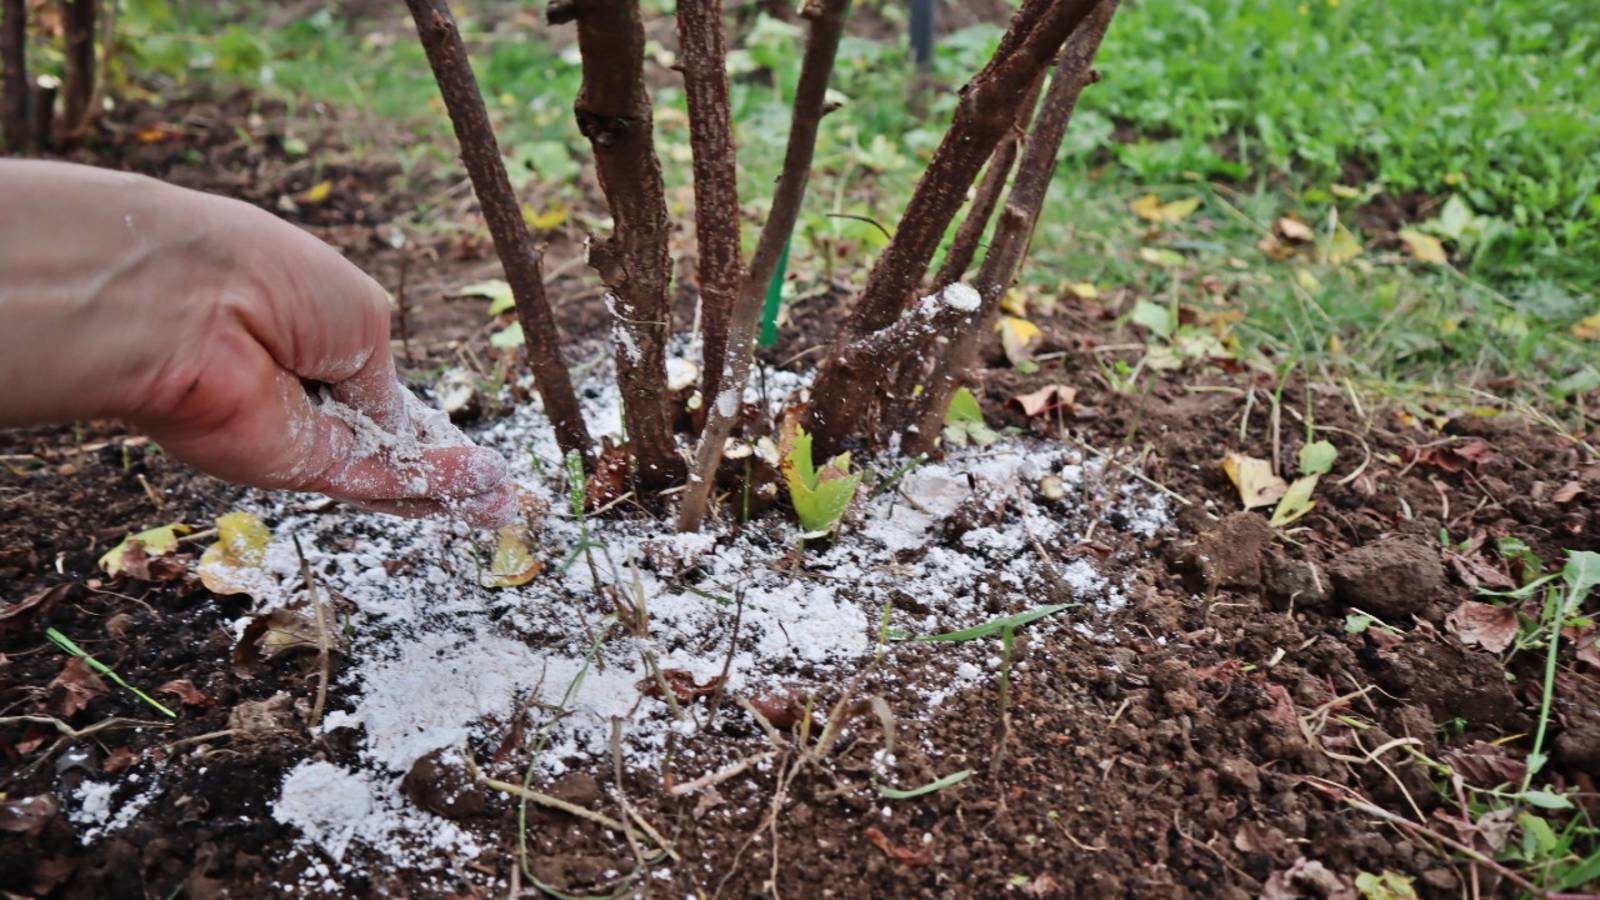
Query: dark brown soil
pixel 1204 755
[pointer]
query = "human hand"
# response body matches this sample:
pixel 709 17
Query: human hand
pixel 201 321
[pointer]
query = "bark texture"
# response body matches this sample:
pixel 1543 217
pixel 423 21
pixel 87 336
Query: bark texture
pixel 826 24
pixel 14 69
pixel 1015 229
pixel 77 88
pixel 703 49
pixel 614 113
pixel 480 154
pixel 842 394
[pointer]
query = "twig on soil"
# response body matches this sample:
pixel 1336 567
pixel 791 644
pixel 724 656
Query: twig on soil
pixel 727 663
pixel 712 779
pixel 324 662
pixel 1228 864
pixel 69 735
pixel 1105 457
pixel 556 803
pixel 622 795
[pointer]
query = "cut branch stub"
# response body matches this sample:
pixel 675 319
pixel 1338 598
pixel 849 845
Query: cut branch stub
pixel 613 112
pixel 1015 229
pixel 480 154
pixel 842 397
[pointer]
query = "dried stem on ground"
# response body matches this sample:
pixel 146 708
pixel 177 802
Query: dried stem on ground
pixel 480 153
pixel 826 18
pixel 614 113
pixel 843 391
pixel 14 69
pixel 77 25
pixel 1017 220
pixel 703 52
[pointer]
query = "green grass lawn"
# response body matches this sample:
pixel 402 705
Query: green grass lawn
pixel 1476 124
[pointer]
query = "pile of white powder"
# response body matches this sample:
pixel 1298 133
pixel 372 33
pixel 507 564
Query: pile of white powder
pixel 438 660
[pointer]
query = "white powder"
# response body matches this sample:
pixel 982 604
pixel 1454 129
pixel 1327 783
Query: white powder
pixel 962 297
pixel 439 662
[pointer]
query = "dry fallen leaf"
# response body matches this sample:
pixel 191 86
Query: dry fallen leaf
pixel 782 709
pixel 315 194
pixel 184 690
pixel 118 759
pixel 1491 627
pixel 1151 209
pixel 70 692
pixel 284 631
pixel 513 562
pixel 895 851
pixel 1017 336
pixel 1424 247
pixel 257 719
pixel 1452 458
pixel 28 815
pixel 1587 328
pixel 1485 765
pixel 1046 399
pixel 233 563
pixel 682 684
pixel 20 616
pixel 1292 229
pixel 1253 478
pixel 153 542
pixel 1567 493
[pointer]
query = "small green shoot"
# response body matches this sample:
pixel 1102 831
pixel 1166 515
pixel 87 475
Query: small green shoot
pixel 996 626
pixel 820 497
pixel 1316 460
pixel 66 644
pixel 951 780
pixel 963 422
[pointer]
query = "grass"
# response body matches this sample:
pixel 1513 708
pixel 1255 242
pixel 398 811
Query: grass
pixel 1476 122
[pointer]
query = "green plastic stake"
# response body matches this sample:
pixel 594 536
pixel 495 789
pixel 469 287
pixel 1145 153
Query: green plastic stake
pixel 65 643
pixel 769 313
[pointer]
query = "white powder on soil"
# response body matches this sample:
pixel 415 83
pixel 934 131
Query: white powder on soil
pixel 438 661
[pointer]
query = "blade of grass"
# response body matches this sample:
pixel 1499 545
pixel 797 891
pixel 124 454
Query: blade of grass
pixel 65 643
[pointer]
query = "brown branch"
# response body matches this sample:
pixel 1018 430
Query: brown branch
pixel 810 105
pixel 77 25
pixel 1014 231
pixel 14 69
pixel 703 49
pixel 480 154
pixel 613 112
pixel 987 108
pixel 42 111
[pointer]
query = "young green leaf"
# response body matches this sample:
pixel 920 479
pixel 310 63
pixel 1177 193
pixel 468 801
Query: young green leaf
pixel 820 497
pixel 158 541
pixel 1316 458
pixel 963 422
pixel 1296 501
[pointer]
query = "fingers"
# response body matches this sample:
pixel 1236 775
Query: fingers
pixel 494 509
pixel 450 473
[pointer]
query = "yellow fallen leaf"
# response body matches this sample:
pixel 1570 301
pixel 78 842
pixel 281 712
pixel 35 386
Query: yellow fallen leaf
pixel 1343 246
pixel 1151 209
pixel 1344 190
pixel 226 567
pixel 1308 281
pixel 159 541
pixel 316 193
pixel 553 217
pixel 1015 302
pixel 1587 329
pixel 1253 478
pixel 1425 247
pixel 1016 336
pixel 513 562
pixel 1084 290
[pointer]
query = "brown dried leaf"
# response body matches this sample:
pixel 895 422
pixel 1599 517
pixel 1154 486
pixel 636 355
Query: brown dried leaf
pixel 1491 627
pixel 1307 879
pixel 70 692
pixel 1291 228
pixel 609 479
pixel 782 709
pixel 1584 639
pixel 1567 493
pixel 28 815
pixel 258 719
pixel 1485 765
pixel 20 616
pixel 1049 398
pixel 184 690
pixel 1465 456
pixel 895 851
pixel 119 759
pixel 1476 572
pixel 682 684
